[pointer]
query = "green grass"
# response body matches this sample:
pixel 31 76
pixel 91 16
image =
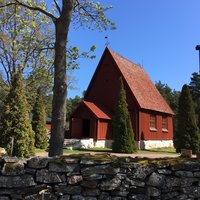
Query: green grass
pixel 88 150
pixel 108 150
pixel 40 150
pixel 159 150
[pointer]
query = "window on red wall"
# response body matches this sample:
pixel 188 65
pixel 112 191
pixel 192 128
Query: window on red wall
pixel 152 123
pixel 164 124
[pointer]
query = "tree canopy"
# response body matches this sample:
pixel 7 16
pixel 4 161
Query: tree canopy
pixel 79 13
pixel 187 135
pixel 171 96
pixel 195 91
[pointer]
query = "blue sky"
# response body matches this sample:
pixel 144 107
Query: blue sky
pixel 160 35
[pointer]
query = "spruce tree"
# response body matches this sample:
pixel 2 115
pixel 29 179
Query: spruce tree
pixel 187 136
pixel 122 130
pixel 15 122
pixel 39 122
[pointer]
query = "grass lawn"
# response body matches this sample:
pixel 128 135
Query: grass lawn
pixel 108 150
pixel 159 150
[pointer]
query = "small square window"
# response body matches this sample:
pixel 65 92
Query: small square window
pixel 164 124
pixel 152 124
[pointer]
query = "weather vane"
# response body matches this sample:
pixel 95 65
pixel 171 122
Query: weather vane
pixel 198 49
pixel 107 42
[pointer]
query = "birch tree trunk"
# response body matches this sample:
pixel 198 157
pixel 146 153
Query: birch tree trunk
pixel 60 82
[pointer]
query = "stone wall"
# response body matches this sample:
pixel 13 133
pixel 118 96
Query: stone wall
pixel 151 144
pixel 101 176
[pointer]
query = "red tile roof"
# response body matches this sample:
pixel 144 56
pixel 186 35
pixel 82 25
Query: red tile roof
pixel 145 92
pixel 99 113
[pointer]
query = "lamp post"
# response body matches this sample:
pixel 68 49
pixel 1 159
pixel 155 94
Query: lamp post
pixel 198 49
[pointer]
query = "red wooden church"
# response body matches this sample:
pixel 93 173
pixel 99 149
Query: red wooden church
pixel 151 116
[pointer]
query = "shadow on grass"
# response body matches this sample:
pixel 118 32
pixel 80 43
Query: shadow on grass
pixel 159 150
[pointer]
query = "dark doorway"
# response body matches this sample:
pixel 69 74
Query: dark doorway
pixel 86 128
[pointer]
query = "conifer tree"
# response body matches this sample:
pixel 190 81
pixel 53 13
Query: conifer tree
pixel 39 122
pixel 122 130
pixel 15 122
pixel 187 136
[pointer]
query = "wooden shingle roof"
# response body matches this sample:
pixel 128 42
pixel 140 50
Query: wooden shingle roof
pixel 98 112
pixel 141 86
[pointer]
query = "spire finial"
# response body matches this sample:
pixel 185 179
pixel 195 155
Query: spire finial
pixel 107 42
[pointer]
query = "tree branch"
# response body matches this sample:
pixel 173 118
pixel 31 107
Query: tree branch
pixel 57 6
pixel 7 5
pixel 34 8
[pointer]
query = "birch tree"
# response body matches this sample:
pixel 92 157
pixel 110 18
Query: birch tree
pixel 85 13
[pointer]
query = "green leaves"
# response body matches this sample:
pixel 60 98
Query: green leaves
pixel 122 130
pixel 15 121
pixel 91 15
pixel 187 136
pixel 39 122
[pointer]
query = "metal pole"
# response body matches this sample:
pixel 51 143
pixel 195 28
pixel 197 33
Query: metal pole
pixel 198 49
pixel 199 61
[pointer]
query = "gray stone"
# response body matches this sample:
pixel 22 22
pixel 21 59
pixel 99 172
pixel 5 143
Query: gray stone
pixel 121 176
pixel 125 168
pixel 74 179
pixel 186 182
pixel 92 177
pixel 197 174
pixel 16 181
pixel 192 192
pixel 4 198
pixel 25 190
pixel 137 190
pixel 172 182
pixel 38 162
pixel 169 195
pixel 72 190
pixel 104 196
pixel 79 197
pixel 30 171
pixel 99 169
pixel 44 196
pixel 187 165
pixel 86 161
pixel 91 192
pixel 60 188
pixel 162 165
pixel 69 160
pixel 33 197
pixel 184 173
pixel 183 197
pixel 110 184
pixel 13 169
pixel 155 180
pixel 164 171
pixel 121 193
pixel 153 192
pixel 44 176
pixel 118 198
pixel 89 184
pixel 142 172
pixel 7 159
pixel 61 167
pixel 64 197
pixel 138 197
pixel 136 182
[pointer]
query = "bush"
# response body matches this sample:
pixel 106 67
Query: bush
pixel 122 130
pixel 15 121
pixel 187 136
pixel 39 122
